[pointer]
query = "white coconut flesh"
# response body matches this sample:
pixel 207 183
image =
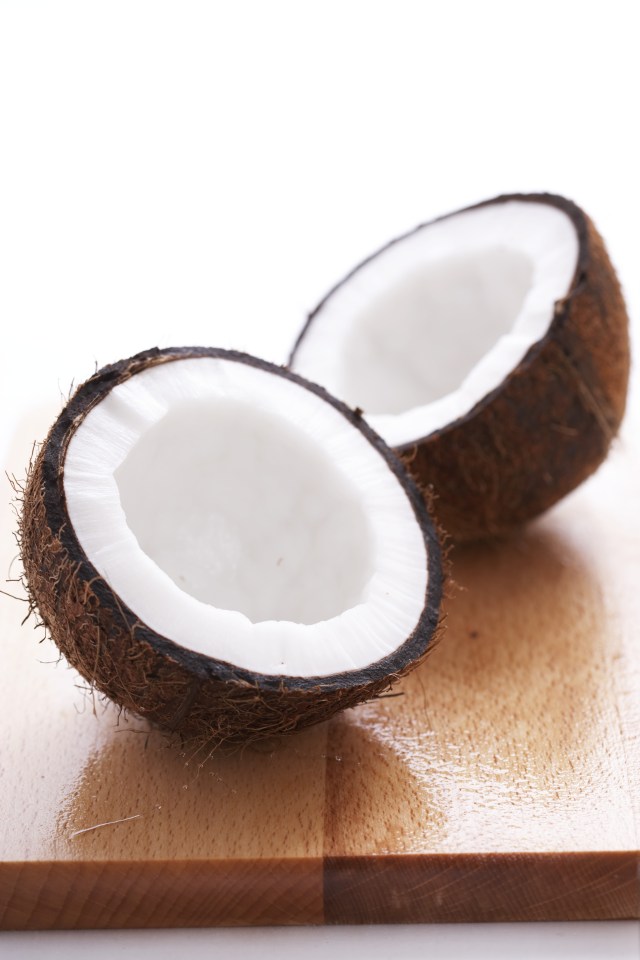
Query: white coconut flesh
pixel 244 517
pixel 419 334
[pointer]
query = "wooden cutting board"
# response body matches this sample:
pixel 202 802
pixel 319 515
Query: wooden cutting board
pixel 502 784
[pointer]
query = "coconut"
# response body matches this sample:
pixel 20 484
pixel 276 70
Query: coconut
pixel 490 349
pixel 223 548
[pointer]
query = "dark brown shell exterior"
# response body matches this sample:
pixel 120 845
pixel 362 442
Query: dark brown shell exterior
pixel 551 422
pixel 205 701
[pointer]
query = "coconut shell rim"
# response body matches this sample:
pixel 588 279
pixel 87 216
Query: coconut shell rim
pixel 201 666
pixel 560 311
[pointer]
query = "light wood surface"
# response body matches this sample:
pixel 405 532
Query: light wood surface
pixel 502 784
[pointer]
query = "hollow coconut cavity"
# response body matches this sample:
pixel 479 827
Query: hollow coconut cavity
pixel 490 348
pixel 225 549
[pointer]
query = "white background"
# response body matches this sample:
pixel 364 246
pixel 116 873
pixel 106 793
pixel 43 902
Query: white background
pixel 200 173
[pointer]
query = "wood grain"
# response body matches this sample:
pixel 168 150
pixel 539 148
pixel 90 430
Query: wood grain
pixel 503 784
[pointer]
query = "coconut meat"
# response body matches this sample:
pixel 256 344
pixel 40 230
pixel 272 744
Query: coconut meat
pixel 422 331
pixel 244 517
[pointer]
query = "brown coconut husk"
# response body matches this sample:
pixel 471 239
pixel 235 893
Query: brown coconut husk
pixel 200 699
pixel 550 423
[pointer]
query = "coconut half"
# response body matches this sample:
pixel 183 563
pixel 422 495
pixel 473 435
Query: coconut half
pixel 225 549
pixel 490 348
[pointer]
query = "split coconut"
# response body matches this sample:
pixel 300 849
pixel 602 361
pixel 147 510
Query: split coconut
pixel 225 549
pixel 490 349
